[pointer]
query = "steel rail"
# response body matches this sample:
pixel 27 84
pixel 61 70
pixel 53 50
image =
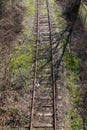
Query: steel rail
pixel 35 71
pixel 53 71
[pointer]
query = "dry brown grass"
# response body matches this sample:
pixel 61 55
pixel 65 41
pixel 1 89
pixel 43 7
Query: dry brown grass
pixel 11 25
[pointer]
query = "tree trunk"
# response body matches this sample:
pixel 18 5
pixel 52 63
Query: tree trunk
pixel 71 9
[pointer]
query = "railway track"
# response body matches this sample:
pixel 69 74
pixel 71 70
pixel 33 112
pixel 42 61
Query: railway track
pixel 44 114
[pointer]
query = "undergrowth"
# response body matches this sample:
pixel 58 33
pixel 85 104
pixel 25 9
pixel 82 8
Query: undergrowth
pixel 22 58
pixel 20 65
pixel 71 66
pixel 59 18
pixel 22 61
pixel 72 63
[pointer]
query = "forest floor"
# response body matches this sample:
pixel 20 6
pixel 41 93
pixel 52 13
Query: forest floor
pixel 16 54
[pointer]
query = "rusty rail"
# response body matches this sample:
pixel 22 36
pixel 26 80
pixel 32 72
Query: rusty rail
pixel 53 72
pixel 35 70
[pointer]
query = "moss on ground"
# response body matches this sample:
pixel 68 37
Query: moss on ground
pixel 30 10
pixel 22 59
pixel 76 121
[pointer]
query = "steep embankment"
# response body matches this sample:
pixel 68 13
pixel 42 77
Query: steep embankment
pixel 15 56
pixel 79 47
pixel 76 76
